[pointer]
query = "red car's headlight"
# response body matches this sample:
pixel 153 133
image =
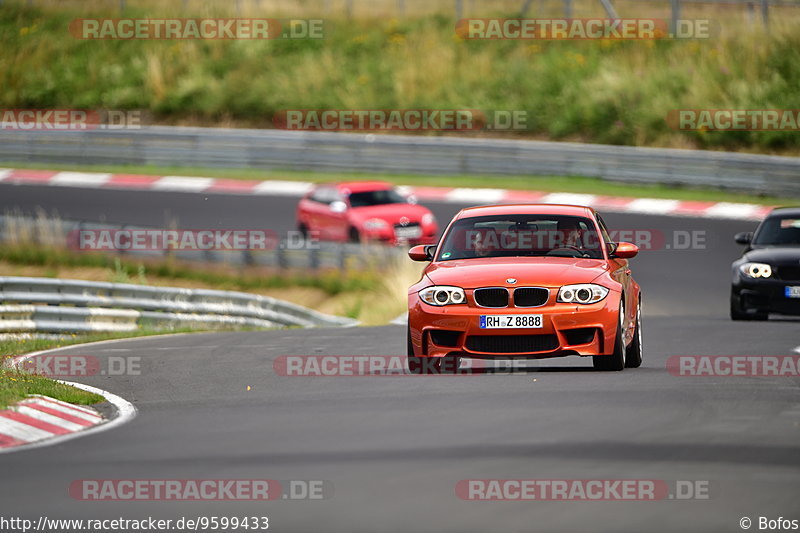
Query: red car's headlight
pixel 440 295
pixel 582 293
pixel 375 223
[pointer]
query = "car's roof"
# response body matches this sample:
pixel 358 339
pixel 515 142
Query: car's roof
pixel 526 209
pixel 361 186
pixel 784 211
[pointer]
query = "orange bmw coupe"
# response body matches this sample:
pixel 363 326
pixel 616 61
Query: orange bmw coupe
pixel 525 281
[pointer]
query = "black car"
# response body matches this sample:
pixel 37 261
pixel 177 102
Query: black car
pixel 766 279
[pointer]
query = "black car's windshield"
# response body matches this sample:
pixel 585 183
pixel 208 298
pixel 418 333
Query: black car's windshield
pixel 379 197
pixel 778 231
pixel 521 235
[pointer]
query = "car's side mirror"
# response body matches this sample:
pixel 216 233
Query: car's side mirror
pixel 625 250
pixel 744 237
pixel 338 206
pixel 422 252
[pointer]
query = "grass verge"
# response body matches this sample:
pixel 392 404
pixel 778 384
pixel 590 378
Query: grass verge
pixel 602 91
pixel 572 184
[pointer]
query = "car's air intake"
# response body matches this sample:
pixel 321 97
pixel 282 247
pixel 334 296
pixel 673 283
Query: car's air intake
pixel 511 343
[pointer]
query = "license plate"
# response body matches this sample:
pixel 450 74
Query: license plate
pixel 793 292
pixel 411 232
pixel 511 321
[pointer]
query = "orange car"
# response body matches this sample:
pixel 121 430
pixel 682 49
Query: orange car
pixel 525 281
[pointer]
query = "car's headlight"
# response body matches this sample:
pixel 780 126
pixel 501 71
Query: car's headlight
pixel 443 295
pixel 756 270
pixel 375 223
pixel 428 219
pixel 582 293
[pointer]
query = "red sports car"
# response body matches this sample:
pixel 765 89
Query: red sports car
pixel 365 211
pixel 525 281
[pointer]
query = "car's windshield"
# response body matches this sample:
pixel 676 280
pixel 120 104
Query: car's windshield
pixel 379 197
pixel 521 235
pixel 778 231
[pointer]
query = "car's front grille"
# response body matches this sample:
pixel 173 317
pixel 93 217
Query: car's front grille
pixel 512 343
pixel 491 297
pixel 446 338
pixel 530 296
pixel 788 273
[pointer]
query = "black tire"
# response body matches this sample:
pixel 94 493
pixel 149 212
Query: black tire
pixel 354 236
pixel 616 361
pixel 737 313
pixel 633 355
pixel 303 229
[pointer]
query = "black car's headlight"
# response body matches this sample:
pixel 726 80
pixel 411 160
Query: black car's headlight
pixel 756 270
pixel 443 295
pixel 582 293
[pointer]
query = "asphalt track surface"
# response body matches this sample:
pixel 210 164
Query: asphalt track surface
pixel 393 448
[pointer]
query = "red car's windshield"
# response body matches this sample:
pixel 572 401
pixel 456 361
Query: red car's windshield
pixel 521 235
pixel 379 197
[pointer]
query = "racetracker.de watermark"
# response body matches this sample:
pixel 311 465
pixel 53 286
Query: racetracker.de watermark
pixel 373 366
pixel 117 240
pixel 69 119
pixel 734 365
pixel 584 28
pixel 461 120
pixel 576 490
pixel 196 28
pixel 734 119
pixel 63 366
pixel 199 489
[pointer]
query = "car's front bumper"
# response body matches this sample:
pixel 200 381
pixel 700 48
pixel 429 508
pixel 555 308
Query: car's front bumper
pixel 765 296
pixel 567 329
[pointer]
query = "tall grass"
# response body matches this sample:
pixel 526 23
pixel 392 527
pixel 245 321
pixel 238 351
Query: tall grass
pixel 597 91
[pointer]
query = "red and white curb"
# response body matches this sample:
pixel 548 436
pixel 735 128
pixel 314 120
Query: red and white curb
pixel 39 421
pixel 651 206
pixel 40 417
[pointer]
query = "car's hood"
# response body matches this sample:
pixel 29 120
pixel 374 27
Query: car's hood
pixel 528 271
pixel 774 255
pixel 391 213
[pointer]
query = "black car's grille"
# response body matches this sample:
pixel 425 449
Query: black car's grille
pixel 789 273
pixel 530 297
pixel 491 297
pixel 448 339
pixel 511 343
pixel 580 335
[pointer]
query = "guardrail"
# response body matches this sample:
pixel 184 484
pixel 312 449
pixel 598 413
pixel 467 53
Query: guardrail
pixel 324 151
pixel 317 255
pixel 49 305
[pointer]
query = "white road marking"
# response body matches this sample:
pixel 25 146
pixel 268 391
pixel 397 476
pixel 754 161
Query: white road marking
pixel 182 183
pixel 569 198
pixel 467 195
pixel 80 179
pixel 283 188
pixel 655 206
pixel 5 172
pixel 731 210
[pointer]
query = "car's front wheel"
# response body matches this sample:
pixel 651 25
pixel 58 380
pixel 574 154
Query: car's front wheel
pixel 738 313
pixel 615 361
pixel 633 355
